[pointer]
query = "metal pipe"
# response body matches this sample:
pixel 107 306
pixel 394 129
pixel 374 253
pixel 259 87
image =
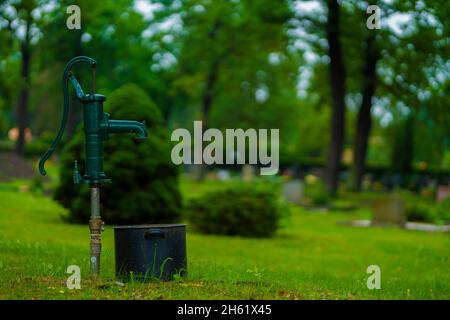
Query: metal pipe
pixel 124 126
pixel 95 201
pixel 95 227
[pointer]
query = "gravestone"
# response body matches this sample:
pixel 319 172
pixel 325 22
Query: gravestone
pixel 293 191
pixel 388 211
pixel 366 182
pixel 248 172
pixel 223 174
pixel 212 175
pixel 443 192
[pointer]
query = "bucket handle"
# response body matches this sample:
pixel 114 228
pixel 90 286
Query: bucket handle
pixel 153 233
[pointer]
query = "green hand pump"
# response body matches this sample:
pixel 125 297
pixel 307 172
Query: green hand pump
pixel 97 127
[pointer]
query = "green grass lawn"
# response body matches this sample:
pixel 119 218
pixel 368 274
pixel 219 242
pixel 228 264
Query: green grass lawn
pixel 311 257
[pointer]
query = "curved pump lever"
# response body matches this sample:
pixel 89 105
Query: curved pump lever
pixel 67 75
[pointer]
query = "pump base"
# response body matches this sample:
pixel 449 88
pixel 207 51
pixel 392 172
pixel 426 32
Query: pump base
pixel 78 179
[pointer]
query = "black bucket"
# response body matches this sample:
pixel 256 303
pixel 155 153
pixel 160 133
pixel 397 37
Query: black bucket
pixel 153 251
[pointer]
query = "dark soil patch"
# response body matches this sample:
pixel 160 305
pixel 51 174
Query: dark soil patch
pixel 13 167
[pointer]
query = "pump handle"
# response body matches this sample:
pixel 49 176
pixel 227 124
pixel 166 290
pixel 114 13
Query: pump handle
pixel 67 75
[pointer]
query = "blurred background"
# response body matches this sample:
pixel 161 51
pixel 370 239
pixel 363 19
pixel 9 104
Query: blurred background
pixel 358 107
pixel 362 112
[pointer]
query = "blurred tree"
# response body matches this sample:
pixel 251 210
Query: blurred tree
pixel 389 68
pixel 333 46
pixel 364 118
pixel 57 49
pixel 226 47
pixel 414 75
pixel 111 33
pixel 369 51
pixel 337 81
pixel 402 146
pixel 231 62
pixel 9 77
pixel 322 34
pixel 20 19
pixel 388 54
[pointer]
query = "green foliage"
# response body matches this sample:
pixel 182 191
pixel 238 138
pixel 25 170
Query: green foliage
pixel 343 205
pixel 417 207
pixel 3 118
pixel 402 146
pixel 315 191
pixel 443 211
pixel 9 85
pixel 421 208
pixel 39 146
pixel 229 53
pixel 274 49
pixel 111 34
pixel 242 210
pixel 37 184
pixel 418 211
pixel 6 145
pixel 144 185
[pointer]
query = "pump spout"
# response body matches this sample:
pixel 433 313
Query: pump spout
pixel 128 126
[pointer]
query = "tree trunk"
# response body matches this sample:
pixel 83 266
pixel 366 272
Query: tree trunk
pixel 208 97
pixel 207 100
pixel 364 119
pixel 337 81
pixel 22 103
pixel 211 78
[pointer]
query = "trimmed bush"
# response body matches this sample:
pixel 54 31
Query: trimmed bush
pixel 419 212
pixel 443 211
pixel 343 205
pixel 243 211
pixel 144 185
pixel 418 208
pixel 315 192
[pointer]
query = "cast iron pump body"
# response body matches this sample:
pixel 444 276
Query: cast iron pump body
pixel 97 127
